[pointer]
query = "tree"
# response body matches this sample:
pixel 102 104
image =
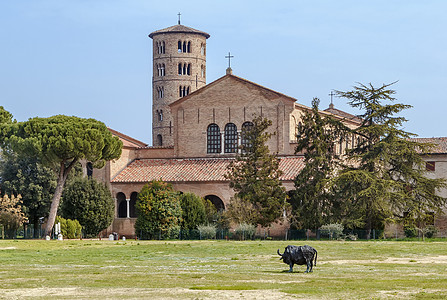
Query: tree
pixel 90 202
pixel 385 177
pixel 159 211
pixel 35 182
pixel 240 212
pixel 193 211
pixel 254 175
pixel 11 215
pixel 313 201
pixel 61 140
pixel 5 116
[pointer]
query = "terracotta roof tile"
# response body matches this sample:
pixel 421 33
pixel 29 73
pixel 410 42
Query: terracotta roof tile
pixel 179 29
pixel 439 142
pixel 194 170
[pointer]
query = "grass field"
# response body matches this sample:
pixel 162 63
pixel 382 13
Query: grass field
pixel 219 269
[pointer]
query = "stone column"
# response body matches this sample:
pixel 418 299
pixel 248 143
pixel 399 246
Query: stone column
pixel 128 208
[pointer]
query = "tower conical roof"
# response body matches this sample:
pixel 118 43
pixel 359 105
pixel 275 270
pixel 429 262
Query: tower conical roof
pixel 179 29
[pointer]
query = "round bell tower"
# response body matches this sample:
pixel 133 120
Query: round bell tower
pixel 179 68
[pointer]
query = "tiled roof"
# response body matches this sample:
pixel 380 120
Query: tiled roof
pixel 342 114
pixel 439 142
pixel 179 29
pixel 127 140
pixel 194 170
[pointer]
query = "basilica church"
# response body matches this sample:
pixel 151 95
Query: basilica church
pixel 196 128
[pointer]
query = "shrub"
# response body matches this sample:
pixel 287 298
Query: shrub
pixel 193 211
pixel 159 211
pixel 89 202
pixel 207 231
pixel 70 229
pixel 410 231
pixel 333 231
pixel 430 231
pixel 245 231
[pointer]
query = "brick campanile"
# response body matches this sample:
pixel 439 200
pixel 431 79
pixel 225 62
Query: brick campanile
pixel 179 68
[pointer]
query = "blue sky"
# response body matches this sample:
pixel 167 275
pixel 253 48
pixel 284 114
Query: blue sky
pixel 93 58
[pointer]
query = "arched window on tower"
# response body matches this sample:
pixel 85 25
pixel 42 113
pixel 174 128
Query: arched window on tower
pixel 159 140
pixel 189 69
pixel 163 47
pixel 184 47
pixel 202 69
pixel 213 139
pixel 179 47
pixel 189 47
pixel 230 138
pixel 202 49
pixel 246 127
pixel 161 92
pixel 162 68
pixel 160 115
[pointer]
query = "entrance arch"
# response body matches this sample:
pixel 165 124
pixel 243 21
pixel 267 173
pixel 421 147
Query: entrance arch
pixel 218 203
pixel 122 205
pixel 133 201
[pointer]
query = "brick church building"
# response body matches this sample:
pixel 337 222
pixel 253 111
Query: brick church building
pixel 196 128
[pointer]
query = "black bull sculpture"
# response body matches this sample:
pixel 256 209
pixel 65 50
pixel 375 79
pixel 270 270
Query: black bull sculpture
pixel 299 255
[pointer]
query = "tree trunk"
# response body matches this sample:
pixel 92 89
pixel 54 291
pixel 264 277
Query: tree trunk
pixel 63 173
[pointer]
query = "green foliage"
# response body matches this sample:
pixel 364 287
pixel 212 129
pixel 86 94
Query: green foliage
pixel 210 211
pixel 313 201
pixel 385 178
pixel 61 140
pixel 245 231
pixel 241 211
pixel 207 232
pixel 89 202
pixel 193 211
pixel 410 231
pixel 159 211
pixel 333 231
pixel 254 175
pixel 11 215
pixel 70 229
pixel 31 179
pixel 5 116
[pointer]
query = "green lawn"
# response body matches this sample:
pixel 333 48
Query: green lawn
pixel 220 269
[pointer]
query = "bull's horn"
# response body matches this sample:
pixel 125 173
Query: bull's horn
pixel 279 253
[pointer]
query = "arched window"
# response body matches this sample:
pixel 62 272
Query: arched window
pixel 162 69
pixel 160 91
pixel 189 47
pixel 184 47
pixel 184 69
pixel 230 138
pixel 203 70
pixel 180 69
pixel 202 49
pixel 160 115
pixel 213 139
pixel 133 201
pixel 189 69
pixel 89 169
pixel 179 47
pixel 163 47
pixel 246 127
pixel 159 140
pixel 122 205
pixel 183 91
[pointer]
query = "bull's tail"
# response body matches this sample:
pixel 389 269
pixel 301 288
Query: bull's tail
pixel 316 254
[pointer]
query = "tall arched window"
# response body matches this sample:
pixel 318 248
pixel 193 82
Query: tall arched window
pixel 133 201
pixel 159 140
pixel 89 170
pixel 179 47
pixel 230 138
pixel 203 70
pixel 247 126
pixel 160 91
pixel 202 49
pixel 122 205
pixel 213 139
pixel 189 69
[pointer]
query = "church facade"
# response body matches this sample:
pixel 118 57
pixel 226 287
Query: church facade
pixel 196 128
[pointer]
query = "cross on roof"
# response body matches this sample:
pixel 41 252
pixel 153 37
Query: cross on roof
pixel 332 94
pixel 229 56
pixel 179 14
